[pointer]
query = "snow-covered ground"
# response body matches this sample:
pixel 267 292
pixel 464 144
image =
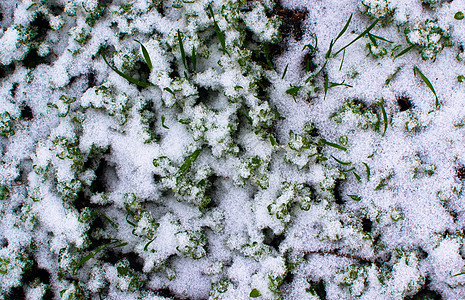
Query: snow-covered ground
pixel 194 149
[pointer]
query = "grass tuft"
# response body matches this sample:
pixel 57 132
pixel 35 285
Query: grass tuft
pixel 358 37
pixel 181 47
pixel 127 77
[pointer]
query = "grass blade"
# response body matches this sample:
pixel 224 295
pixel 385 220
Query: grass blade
pixel 404 51
pixel 371 35
pixel 293 91
pixel 219 33
pixel 368 171
pixel 359 179
pixel 285 71
pixel 194 59
pixel 428 83
pixel 326 85
pixel 323 141
pixel 181 47
pixel 342 61
pixel 163 123
pixel 385 118
pixel 93 253
pixel 146 55
pixel 358 37
pixel 344 29
pixel 127 77
pixel 186 165
pixel 113 224
pixel 355 197
pixel 341 162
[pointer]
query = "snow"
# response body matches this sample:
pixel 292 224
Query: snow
pixel 216 180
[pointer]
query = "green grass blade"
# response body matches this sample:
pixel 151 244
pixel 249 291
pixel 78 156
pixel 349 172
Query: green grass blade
pixel 359 179
pixel 186 165
pixel 368 171
pixel 389 79
pixel 194 59
pixel 323 141
pixel 163 123
pixel 181 47
pixel 146 55
pixel 219 33
pixel 358 37
pixel 428 83
pixel 93 253
pixel 404 51
pixel 342 61
pixel 326 85
pixel 341 162
pixel 334 84
pixel 169 91
pixel 328 53
pixel 121 245
pixel 285 71
pixel 344 29
pixel 293 91
pixel 317 73
pixel 127 77
pixel 379 38
pixel 355 197
pixel 385 118
pixel 113 224
pixel 146 247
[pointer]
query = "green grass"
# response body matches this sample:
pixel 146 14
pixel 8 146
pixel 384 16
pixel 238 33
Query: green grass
pixel 416 71
pixel 127 77
pixel 188 162
pixel 358 37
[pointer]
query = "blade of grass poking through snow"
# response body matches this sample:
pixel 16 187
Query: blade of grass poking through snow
pixel 169 91
pixel 326 85
pixel 146 55
pixel 428 83
pixel 374 36
pixel 293 91
pixel 113 224
pixel 316 74
pixel 355 197
pixel 219 33
pixel 285 71
pixel 341 162
pixel 358 37
pixel 194 59
pixel 334 84
pixel 163 123
pixel 181 47
pixel 93 253
pixel 127 77
pixel 385 118
pixel 404 51
pixel 343 29
pixel 359 179
pixel 186 165
pixel 342 60
pixel 368 171
pixel 325 142
pixel 389 79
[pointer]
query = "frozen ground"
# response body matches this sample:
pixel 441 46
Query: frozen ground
pixel 232 149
